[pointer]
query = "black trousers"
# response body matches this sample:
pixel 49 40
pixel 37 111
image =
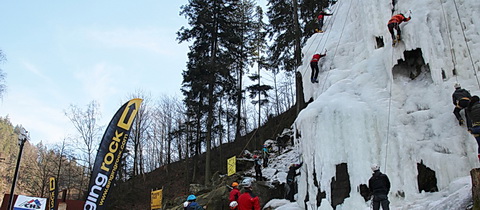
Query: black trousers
pixel 314 66
pixel 320 24
pixel 380 200
pixel 290 190
pixel 392 26
pixel 461 104
pixel 258 173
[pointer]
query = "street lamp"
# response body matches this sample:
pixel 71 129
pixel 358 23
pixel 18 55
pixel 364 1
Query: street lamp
pixel 22 138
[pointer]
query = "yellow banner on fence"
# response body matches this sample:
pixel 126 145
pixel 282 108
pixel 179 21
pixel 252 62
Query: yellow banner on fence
pixel 231 165
pixel 157 196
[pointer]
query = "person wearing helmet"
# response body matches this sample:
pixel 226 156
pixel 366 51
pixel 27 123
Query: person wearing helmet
pixel 473 113
pixel 233 205
pixel 379 186
pixel 461 99
pixel 248 200
pixel 314 65
pixel 257 162
pixel 394 23
pixel 234 194
pixel 192 204
pixel 321 16
pixel 265 154
pixel 290 187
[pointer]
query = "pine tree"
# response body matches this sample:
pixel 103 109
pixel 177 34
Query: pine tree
pixel 243 50
pixel 309 11
pixel 258 90
pixel 212 55
pixel 283 51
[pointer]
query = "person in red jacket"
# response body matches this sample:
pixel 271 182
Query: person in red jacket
pixel 248 200
pixel 394 23
pixel 321 16
pixel 314 65
pixel 234 194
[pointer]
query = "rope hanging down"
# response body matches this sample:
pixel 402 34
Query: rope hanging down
pixel 338 43
pixel 388 118
pixel 332 21
pixel 452 52
pixel 466 43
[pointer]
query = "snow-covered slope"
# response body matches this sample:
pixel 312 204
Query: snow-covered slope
pixel 366 111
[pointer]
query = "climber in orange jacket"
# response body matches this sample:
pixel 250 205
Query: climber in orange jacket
pixel 394 23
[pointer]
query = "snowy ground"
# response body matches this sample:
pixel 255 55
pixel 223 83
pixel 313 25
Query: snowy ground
pixel 457 194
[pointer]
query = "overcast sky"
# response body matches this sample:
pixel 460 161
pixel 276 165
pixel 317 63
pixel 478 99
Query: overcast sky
pixel 72 52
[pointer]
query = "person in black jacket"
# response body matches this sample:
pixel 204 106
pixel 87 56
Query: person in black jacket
pixel 379 186
pixel 258 168
pixel 461 99
pixel 290 186
pixel 473 112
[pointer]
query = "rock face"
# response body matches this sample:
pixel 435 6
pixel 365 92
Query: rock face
pixel 340 185
pixel 217 199
pixel 475 174
pixel 427 181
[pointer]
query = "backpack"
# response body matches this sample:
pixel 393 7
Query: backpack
pixel 462 93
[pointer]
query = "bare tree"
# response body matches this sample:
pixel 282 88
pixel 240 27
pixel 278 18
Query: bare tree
pixel 2 75
pixel 140 131
pixel 85 121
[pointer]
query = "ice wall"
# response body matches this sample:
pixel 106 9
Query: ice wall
pixel 365 112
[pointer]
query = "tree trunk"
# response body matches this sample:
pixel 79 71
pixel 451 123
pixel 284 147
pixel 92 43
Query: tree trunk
pixel 475 174
pixel 259 95
pixel 277 101
pixel 208 172
pixel 299 89
pixel 169 143
pixel 298 35
pixel 239 104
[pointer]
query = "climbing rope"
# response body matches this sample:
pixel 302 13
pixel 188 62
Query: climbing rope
pixel 387 138
pixel 248 142
pixel 388 118
pixel 332 21
pixel 452 52
pixel 466 43
pixel 338 43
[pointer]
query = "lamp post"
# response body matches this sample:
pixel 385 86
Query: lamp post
pixel 22 138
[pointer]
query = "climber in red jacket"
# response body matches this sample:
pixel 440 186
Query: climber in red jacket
pixel 321 16
pixel 248 200
pixel 314 65
pixel 394 23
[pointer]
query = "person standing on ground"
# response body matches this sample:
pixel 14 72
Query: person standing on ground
pixel 473 112
pixel 461 99
pixel 265 155
pixel 258 168
pixel 234 195
pixel 192 204
pixel 379 186
pixel 291 185
pixel 314 65
pixel 248 200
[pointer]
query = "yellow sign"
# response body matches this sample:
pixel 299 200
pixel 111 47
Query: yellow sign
pixel 231 165
pixel 157 197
